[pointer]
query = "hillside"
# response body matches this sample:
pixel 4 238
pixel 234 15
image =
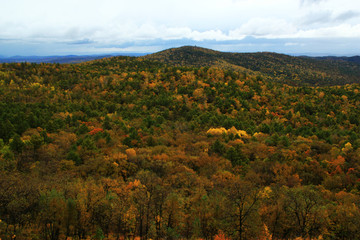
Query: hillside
pixel 354 59
pixel 278 67
pixel 125 148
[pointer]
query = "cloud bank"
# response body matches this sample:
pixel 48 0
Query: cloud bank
pixel 88 26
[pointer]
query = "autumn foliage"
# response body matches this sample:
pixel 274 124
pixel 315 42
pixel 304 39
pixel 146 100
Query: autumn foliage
pixel 95 131
pixel 128 148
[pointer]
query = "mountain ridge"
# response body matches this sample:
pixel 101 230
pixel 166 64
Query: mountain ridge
pixel 279 67
pixel 60 59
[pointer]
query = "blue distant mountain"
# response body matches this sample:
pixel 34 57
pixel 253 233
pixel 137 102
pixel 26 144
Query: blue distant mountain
pixel 61 59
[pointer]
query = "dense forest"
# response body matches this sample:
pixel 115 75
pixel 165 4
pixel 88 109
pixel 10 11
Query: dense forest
pixel 322 71
pixel 131 148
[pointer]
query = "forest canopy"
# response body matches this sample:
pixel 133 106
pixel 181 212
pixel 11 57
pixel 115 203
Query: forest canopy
pixel 129 147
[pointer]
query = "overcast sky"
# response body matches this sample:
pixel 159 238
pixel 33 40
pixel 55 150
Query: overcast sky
pixel 49 27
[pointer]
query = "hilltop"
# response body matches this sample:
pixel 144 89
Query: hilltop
pixel 278 67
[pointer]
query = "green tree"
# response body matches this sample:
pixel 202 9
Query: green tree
pixel 52 214
pixel 218 147
pixel 6 130
pixel 16 145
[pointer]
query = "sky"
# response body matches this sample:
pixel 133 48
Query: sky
pixel 83 27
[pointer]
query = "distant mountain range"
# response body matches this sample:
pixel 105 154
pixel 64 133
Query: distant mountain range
pixel 284 68
pixel 60 59
pixel 328 70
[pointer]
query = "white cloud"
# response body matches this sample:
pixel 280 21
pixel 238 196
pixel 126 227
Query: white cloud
pixel 304 2
pixel 121 21
pixel 292 44
pixel 318 17
pixel 263 27
pixel 347 15
pixel 329 17
pixel 338 31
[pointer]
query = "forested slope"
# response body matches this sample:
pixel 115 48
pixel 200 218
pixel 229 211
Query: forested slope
pixel 296 71
pixel 128 147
